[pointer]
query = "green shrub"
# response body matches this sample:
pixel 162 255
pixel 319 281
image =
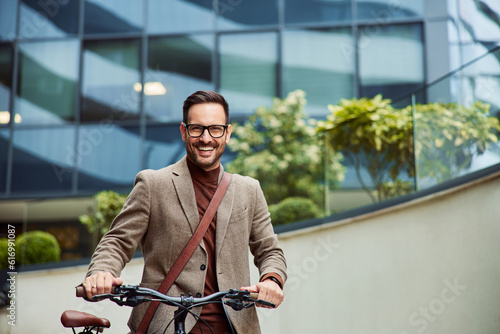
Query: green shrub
pixel 293 209
pixel 37 247
pixel 4 253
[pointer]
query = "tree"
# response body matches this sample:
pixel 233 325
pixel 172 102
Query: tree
pixel 108 205
pixel 374 136
pixel 449 136
pixel 278 146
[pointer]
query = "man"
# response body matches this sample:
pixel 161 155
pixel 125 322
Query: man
pixel 163 211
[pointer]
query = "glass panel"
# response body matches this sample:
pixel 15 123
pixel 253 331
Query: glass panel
pixel 110 81
pixel 109 156
pixel 48 18
pixel 316 61
pixel 248 70
pixel 163 145
pixel 244 14
pixel 5 83
pixel 8 14
pixel 113 16
pixel 43 159
pixel 179 16
pixel 177 67
pixel 48 76
pixel 453 138
pixel 391 61
pixel 479 20
pixel 4 151
pixel 317 11
pixel 384 11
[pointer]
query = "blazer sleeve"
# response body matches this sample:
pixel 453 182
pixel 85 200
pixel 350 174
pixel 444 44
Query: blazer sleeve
pixel 119 244
pixel 264 245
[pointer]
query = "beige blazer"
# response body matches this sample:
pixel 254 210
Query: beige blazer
pixel 160 215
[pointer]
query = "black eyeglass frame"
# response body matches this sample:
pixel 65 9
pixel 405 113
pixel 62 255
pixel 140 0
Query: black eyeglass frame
pixel 205 128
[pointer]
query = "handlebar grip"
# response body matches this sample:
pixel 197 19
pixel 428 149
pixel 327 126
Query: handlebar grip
pixel 80 291
pixel 254 295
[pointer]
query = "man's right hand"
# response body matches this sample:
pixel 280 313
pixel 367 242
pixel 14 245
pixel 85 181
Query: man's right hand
pixel 99 283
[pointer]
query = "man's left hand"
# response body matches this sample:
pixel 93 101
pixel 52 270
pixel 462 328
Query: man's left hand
pixel 267 290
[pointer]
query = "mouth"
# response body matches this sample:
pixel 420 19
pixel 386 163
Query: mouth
pixel 205 150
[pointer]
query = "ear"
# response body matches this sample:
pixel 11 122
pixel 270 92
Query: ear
pixel 228 133
pixel 183 132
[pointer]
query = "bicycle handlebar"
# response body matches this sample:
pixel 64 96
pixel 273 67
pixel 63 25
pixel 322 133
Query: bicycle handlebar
pixel 133 295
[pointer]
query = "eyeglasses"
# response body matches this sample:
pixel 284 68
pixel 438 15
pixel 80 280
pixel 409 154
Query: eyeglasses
pixel 197 130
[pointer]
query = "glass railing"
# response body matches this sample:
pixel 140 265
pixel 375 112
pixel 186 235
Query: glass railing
pixel 453 136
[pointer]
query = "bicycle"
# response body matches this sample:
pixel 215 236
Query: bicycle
pixel 133 295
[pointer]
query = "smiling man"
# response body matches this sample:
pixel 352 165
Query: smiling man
pixel 163 211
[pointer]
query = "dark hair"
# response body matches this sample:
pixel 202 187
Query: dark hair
pixel 201 97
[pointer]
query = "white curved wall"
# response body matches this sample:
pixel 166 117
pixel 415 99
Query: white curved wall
pixel 428 266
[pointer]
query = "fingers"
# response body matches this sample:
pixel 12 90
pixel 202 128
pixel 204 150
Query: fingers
pixel 269 291
pixel 100 283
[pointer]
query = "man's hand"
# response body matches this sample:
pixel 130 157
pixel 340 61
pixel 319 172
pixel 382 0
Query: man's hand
pixel 100 282
pixel 268 290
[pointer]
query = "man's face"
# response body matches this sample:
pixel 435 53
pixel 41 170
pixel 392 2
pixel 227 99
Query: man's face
pixel 206 151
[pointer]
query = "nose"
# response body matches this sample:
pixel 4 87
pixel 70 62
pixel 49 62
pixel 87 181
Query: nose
pixel 205 136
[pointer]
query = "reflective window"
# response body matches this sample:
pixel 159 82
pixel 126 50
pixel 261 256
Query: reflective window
pixel 248 70
pixel 5 83
pixel 48 76
pixel 479 21
pixel 384 11
pixel 108 156
pixel 8 14
pixel 163 145
pixel 390 60
pixel 43 159
pixel 177 67
pixel 48 18
pixel 317 11
pixel 111 80
pixel 321 63
pixel 179 16
pixel 237 14
pixel 4 151
pixel 113 16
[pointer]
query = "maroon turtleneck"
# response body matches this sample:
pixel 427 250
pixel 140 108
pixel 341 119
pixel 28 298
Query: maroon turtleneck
pixel 205 184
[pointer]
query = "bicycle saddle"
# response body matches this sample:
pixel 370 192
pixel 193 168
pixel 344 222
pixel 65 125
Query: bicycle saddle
pixel 81 319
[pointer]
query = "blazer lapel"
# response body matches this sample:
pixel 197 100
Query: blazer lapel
pixel 185 193
pixel 223 215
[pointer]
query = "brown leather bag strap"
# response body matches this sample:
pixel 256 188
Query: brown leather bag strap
pixel 188 250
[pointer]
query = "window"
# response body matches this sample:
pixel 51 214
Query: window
pixel 240 14
pixel 113 16
pixel 390 60
pixel 5 83
pixel 43 160
pixel 317 11
pixel 8 14
pixel 320 63
pixel 48 76
pixel 108 156
pixel 248 70
pixel 48 18
pixel 177 67
pixel 163 145
pixel 4 151
pixel 179 16
pixel 111 80
pixel 385 11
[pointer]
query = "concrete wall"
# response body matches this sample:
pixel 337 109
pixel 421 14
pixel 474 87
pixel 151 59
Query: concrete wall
pixel 428 266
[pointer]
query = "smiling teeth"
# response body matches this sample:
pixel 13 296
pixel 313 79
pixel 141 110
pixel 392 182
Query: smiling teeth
pixel 205 148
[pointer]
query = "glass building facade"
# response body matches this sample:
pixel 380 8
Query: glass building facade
pixel 91 91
